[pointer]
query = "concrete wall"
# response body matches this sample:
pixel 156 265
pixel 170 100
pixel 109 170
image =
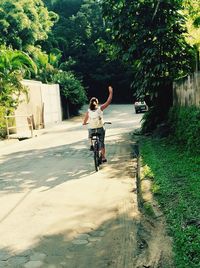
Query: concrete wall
pixel 43 103
pixel 32 103
pixel 52 104
pixel 187 91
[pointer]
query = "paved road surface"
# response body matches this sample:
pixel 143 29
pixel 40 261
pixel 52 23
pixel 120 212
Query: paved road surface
pixel 57 212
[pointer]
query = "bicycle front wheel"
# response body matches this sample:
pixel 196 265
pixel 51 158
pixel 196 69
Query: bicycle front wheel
pixel 96 160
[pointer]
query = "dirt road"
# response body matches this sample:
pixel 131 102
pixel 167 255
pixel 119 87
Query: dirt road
pixel 57 212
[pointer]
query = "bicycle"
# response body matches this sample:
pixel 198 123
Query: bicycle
pixel 97 149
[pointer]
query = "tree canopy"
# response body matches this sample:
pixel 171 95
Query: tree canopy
pixel 24 22
pixel 77 36
pixel 150 36
pixel 14 65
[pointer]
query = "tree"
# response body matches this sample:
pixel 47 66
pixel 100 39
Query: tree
pixel 61 34
pixel 46 63
pixel 192 9
pixel 192 14
pixel 149 35
pixel 77 36
pixel 65 8
pixel 72 92
pixel 14 66
pixel 24 22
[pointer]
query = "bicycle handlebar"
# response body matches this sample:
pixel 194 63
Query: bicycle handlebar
pixel 105 123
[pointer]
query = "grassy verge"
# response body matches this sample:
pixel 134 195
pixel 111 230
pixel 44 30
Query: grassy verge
pixel 176 186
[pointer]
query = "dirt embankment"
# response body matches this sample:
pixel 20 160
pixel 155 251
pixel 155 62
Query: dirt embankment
pixel 154 244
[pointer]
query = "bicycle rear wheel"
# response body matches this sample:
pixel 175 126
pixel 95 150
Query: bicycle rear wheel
pixel 96 160
pixel 96 155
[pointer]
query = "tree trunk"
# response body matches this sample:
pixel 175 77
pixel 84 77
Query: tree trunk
pixel 68 114
pixel 165 100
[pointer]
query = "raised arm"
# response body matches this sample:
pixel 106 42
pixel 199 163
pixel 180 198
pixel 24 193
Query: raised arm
pixel 105 105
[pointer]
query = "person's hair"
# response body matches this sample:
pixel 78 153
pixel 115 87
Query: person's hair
pixel 93 103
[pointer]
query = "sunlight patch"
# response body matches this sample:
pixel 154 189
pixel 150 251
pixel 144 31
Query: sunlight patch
pixel 25 172
pixel 52 179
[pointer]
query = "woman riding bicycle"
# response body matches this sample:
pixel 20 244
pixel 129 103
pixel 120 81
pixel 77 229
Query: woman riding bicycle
pixel 94 116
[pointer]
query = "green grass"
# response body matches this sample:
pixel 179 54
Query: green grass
pixel 176 186
pixel 148 209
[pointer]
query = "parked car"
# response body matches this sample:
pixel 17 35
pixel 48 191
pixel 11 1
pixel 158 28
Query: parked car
pixel 140 106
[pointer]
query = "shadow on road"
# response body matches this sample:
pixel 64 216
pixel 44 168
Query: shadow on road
pixel 48 168
pixel 96 247
pixel 123 241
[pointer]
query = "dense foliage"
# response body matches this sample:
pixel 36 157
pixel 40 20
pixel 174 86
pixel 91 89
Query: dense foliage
pixel 77 34
pixel 14 65
pixel 185 127
pixel 176 186
pixel 23 22
pixel 192 12
pixel 47 63
pixel 191 8
pixel 24 25
pixel 149 35
pixel 72 91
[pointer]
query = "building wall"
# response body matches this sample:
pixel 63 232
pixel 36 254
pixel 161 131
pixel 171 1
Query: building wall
pixel 187 91
pixel 51 103
pixel 42 102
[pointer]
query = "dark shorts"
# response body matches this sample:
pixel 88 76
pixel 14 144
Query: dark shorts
pixel 101 132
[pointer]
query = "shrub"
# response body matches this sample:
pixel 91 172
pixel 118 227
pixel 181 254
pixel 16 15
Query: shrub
pixel 185 127
pixel 2 123
pixel 150 120
pixel 3 112
pixel 71 89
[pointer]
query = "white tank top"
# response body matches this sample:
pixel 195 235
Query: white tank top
pixel 95 118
